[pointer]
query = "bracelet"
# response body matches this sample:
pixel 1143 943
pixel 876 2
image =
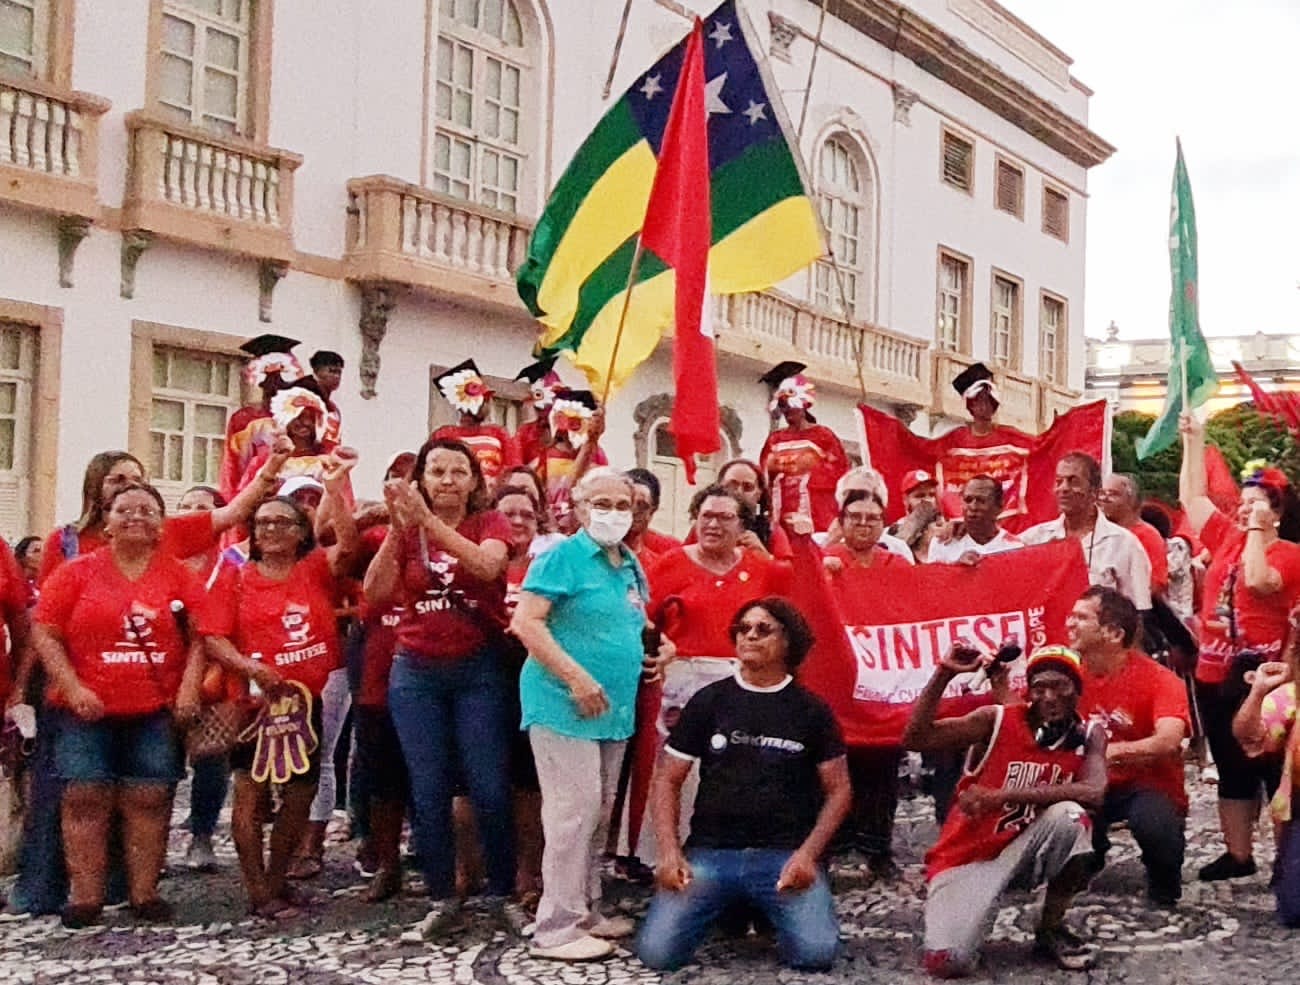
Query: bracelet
pixel 1254 530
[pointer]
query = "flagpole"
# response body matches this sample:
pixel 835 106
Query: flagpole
pixel 622 318
pixel 618 48
pixel 812 66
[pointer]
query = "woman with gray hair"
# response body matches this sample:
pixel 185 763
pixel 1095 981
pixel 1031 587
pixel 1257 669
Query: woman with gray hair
pixel 581 613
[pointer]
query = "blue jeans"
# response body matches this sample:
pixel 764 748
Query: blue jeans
pixel 448 715
pixel 125 749
pixel 211 777
pixel 807 932
pixel 42 885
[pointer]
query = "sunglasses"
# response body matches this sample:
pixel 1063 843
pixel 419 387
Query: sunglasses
pixel 759 630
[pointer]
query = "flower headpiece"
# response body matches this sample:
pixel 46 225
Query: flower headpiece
pixel 794 391
pixel 464 388
pixel 288 405
pixel 571 415
pixel 1257 472
pixel 256 370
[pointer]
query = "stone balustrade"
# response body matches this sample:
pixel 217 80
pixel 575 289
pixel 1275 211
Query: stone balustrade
pixel 208 188
pixel 49 146
pixel 402 233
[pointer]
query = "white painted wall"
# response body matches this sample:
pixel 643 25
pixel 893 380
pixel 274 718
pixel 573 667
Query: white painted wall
pixel 347 94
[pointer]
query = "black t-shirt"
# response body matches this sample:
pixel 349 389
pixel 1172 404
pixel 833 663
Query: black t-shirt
pixel 758 753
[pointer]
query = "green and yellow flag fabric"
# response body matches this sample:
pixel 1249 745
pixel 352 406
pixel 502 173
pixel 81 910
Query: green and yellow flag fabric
pixel 765 227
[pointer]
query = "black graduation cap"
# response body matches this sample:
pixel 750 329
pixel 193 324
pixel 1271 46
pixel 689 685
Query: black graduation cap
pixel 968 377
pixel 782 372
pixel 263 345
pixel 458 368
pixel 534 372
pixel 584 397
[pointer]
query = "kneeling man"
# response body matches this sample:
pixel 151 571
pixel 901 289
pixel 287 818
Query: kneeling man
pixel 774 788
pixel 1033 772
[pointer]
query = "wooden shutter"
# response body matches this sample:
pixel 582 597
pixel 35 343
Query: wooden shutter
pixel 1010 189
pixel 1056 214
pixel 957 158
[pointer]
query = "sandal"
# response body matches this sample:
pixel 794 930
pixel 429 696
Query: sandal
pixel 305 867
pixel 154 910
pixel 78 916
pixel 274 909
pixel 385 885
pixel 1065 947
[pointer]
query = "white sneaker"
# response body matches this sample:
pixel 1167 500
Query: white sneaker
pixel 612 928
pixel 201 857
pixel 586 948
pixel 443 915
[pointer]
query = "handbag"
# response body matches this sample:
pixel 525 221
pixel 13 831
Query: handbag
pixel 217 729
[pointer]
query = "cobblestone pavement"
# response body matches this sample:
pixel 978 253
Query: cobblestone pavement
pixel 1220 933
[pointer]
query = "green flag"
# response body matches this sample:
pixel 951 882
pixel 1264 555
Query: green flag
pixel 1187 344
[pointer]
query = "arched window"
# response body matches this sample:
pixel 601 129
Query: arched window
pixel 676 492
pixel 485 102
pixel 844 196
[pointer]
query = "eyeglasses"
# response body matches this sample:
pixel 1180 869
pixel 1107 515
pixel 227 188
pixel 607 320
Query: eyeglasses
pixel 759 630
pixel 864 519
pixel 719 517
pixel 609 504
pixel 142 512
pixel 276 523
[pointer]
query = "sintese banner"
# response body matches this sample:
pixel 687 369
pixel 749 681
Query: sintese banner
pixel 881 633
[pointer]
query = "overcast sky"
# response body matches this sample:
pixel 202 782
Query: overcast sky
pixel 1226 78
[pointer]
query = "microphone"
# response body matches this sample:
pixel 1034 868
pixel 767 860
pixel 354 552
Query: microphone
pixel 1007 653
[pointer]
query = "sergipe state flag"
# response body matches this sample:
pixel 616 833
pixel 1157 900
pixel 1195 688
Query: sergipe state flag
pixel 764 225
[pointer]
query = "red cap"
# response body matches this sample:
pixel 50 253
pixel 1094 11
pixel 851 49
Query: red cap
pixel 917 477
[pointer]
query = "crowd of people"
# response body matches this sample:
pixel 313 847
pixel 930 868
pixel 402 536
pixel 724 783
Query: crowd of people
pixel 537 680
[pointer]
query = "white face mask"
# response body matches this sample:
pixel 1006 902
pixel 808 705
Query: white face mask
pixel 608 527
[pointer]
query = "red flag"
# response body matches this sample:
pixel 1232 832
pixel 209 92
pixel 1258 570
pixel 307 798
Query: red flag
pixel 1220 486
pixel 678 229
pixel 880 638
pixel 1025 464
pixel 1282 406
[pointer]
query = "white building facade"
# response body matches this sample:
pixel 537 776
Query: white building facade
pixel 179 175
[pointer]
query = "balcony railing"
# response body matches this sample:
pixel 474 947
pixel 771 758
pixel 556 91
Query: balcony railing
pixel 215 190
pixel 402 233
pixel 770 327
pixel 49 147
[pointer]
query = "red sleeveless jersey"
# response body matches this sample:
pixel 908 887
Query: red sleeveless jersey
pixel 1015 760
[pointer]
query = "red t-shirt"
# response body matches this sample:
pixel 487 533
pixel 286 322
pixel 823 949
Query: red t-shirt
pixel 1154 545
pixel 1261 620
pixel 1128 703
pixel 694 607
pixel 491 444
pixel 121 636
pixel 807 462
pixel 290 623
pixel 450 614
pixel 184 535
pixel 381 624
pixel 15 597
pixel 1014 760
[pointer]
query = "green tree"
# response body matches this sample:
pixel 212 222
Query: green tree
pixel 1159 473
pixel 1240 432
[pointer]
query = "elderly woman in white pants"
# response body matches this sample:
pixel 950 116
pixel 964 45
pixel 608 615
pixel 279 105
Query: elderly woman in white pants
pixel 581 615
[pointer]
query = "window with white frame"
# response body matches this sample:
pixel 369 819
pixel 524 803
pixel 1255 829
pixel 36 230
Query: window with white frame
pixel 675 491
pixel 194 394
pixel 842 196
pixel 1052 339
pixel 1004 323
pixel 203 68
pixel 19 353
pixel 481 90
pixel 954 303
pixel 24 37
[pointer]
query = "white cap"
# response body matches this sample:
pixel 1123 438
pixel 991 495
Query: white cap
pixel 298 483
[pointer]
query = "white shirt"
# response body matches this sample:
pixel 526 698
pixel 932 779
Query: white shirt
pixel 951 552
pixel 1115 557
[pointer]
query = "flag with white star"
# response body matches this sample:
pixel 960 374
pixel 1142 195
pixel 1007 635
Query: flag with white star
pixel 764 224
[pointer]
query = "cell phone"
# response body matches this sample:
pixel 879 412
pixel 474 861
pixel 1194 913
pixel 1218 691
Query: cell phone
pixel 651 639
